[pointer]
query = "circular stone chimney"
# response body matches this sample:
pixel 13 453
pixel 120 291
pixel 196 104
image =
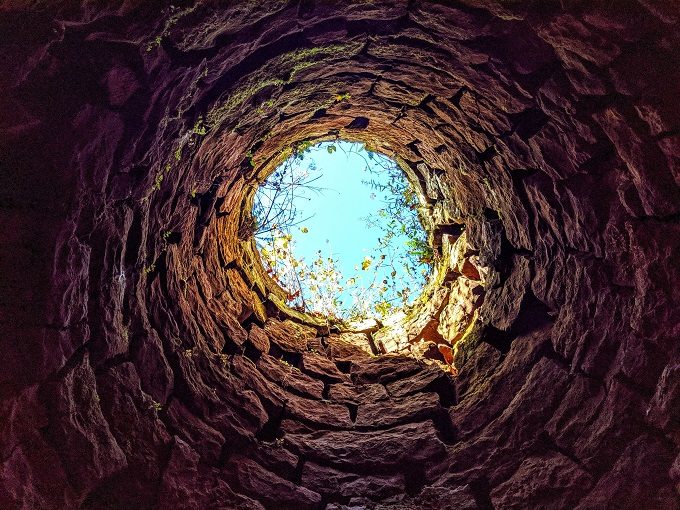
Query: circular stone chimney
pixel 149 363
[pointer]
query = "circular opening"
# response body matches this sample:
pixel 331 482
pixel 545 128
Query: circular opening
pixel 338 227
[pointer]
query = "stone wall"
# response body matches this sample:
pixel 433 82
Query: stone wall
pixel 145 367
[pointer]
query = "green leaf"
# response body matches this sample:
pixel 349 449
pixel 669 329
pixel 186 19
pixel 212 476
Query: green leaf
pixel 331 149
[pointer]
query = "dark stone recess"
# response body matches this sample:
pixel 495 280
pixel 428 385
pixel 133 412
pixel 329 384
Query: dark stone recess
pixel 145 367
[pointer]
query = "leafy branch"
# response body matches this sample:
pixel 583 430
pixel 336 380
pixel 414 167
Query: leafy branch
pixel 315 287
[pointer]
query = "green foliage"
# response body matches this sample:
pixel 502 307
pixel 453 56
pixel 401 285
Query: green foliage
pixel 300 148
pixel 273 210
pixel 266 105
pixel 294 61
pixel 165 236
pixel 174 15
pixel 156 406
pixel 199 128
pixel 249 157
pixel 154 44
pixel 314 286
pixel 157 181
pixel 398 211
pixel 383 308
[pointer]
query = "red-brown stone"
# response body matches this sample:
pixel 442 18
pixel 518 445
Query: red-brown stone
pixel 149 363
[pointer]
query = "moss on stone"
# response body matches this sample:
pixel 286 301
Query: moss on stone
pixel 289 64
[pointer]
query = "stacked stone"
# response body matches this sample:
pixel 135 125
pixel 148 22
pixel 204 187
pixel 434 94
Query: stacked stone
pixel 143 352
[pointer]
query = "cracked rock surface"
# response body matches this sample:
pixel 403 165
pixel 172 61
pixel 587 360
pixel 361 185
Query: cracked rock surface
pixel 147 362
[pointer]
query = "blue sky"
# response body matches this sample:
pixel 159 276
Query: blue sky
pixel 336 223
pixel 338 210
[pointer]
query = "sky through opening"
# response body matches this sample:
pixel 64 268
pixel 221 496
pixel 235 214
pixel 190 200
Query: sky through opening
pixel 337 227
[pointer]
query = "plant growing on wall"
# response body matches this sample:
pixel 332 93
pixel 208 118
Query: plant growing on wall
pixel 390 272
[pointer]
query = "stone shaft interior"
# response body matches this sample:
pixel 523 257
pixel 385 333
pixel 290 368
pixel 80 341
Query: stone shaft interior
pixel 147 362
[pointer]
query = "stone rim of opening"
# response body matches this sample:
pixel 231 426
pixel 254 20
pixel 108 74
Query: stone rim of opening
pixel 416 333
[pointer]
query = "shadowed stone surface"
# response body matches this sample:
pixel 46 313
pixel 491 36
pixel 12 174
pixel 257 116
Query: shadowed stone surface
pixel 148 361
